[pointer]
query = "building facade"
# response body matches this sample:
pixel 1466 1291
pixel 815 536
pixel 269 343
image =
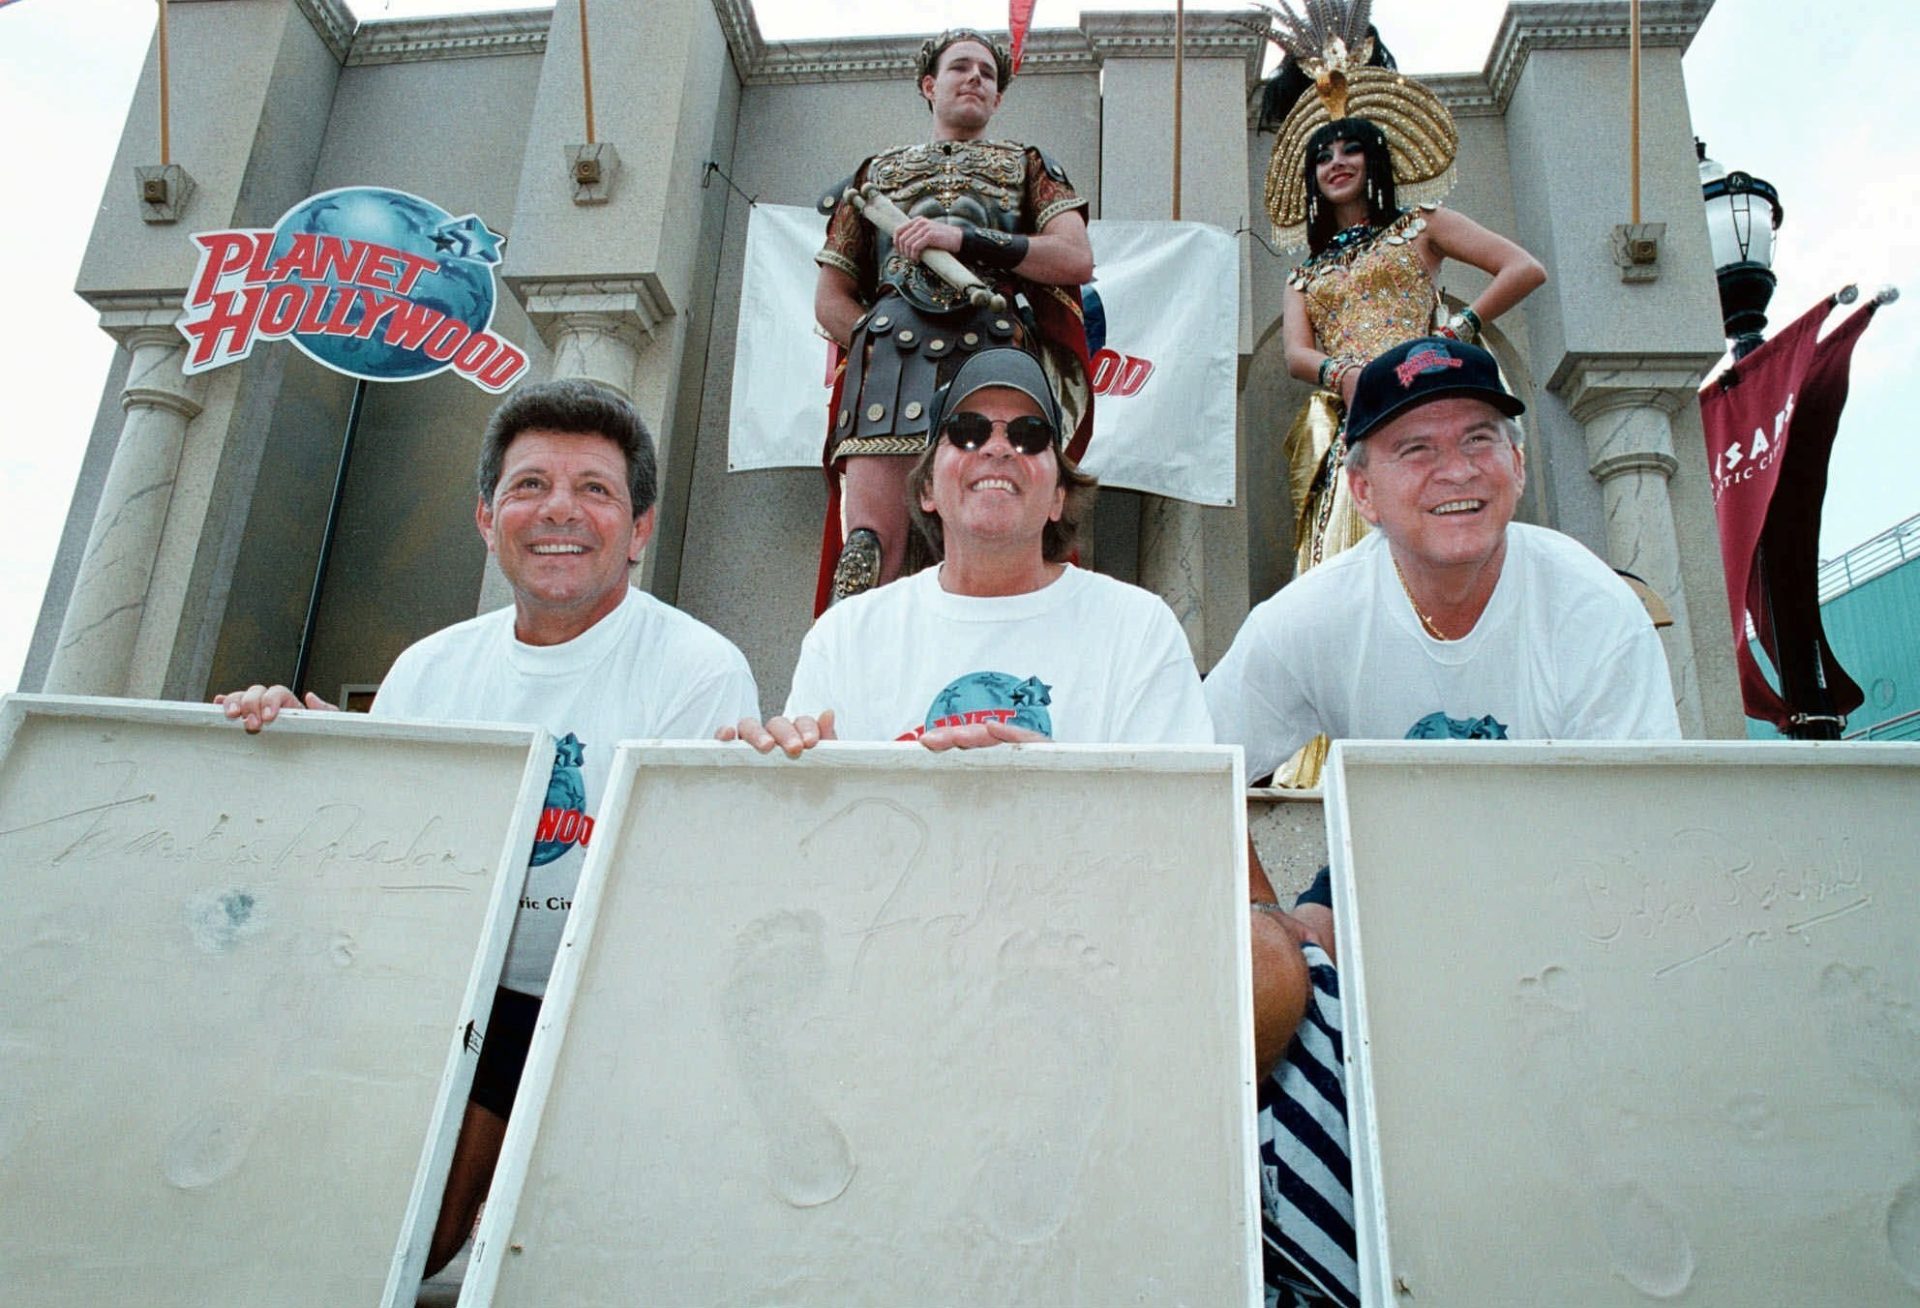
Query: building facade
pixel 191 544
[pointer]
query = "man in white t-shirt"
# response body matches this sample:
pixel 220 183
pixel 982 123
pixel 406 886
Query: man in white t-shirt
pixel 567 488
pixel 1006 641
pixel 1449 621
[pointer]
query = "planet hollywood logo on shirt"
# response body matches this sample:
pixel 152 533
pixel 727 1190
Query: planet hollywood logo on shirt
pixel 371 282
pixel 989 697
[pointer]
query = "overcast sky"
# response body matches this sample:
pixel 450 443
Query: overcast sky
pixel 1823 106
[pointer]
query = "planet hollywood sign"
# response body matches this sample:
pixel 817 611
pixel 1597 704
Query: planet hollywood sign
pixel 375 283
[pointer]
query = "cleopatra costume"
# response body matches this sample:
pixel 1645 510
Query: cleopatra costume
pixel 1366 293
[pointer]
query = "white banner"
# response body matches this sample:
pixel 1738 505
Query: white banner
pixel 1164 369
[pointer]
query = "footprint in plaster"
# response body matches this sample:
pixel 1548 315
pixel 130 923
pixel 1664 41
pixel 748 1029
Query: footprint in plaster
pixel 1645 1240
pixel 207 1147
pixel 1049 1069
pixel 1875 1035
pixel 1555 1039
pixel 1649 1246
pixel 771 993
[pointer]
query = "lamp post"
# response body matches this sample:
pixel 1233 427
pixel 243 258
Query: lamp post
pixel 1741 234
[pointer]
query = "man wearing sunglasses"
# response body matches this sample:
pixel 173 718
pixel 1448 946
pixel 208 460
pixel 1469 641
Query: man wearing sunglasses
pixel 1008 642
pixel 1005 640
pixel 1009 214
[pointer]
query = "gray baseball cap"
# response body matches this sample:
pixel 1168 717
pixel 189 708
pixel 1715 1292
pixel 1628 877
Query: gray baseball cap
pixel 1005 365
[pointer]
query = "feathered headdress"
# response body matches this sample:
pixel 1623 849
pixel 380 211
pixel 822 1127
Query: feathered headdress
pixel 1329 42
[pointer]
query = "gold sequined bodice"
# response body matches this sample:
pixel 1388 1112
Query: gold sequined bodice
pixel 1365 301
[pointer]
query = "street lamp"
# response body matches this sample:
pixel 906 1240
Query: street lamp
pixel 1742 247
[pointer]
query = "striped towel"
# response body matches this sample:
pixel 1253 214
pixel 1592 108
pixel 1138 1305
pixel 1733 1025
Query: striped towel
pixel 1306 1176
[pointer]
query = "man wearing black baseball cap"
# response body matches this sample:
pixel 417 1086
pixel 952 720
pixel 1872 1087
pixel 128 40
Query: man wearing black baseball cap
pixel 1450 619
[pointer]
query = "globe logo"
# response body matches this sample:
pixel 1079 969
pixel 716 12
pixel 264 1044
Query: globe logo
pixel 371 282
pixel 460 286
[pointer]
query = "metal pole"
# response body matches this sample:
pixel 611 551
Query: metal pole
pixel 166 143
pixel 1179 74
pixel 326 539
pixel 586 69
pixel 1633 94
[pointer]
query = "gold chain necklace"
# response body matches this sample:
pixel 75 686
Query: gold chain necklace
pixel 1433 628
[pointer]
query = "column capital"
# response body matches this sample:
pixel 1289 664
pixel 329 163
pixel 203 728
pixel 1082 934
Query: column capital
pixel 154 379
pixel 630 308
pixel 1592 384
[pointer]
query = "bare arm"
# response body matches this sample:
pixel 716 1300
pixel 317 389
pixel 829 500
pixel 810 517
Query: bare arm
pixel 1516 274
pixel 1058 255
pixel 835 306
pixel 1304 355
pixel 1281 984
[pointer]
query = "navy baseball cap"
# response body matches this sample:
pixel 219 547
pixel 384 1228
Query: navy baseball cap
pixel 1004 365
pixel 1419 371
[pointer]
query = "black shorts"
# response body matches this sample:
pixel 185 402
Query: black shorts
pixel 503 1051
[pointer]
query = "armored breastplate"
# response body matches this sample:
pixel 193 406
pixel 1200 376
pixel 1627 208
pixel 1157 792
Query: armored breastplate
pixel 968 183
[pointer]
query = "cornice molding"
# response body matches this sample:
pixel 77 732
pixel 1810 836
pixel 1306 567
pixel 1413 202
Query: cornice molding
pixel 1132 35
pixel 1100 36
pixel 1583 25
pixel 334 23
pixel 461 36
pixel 742 30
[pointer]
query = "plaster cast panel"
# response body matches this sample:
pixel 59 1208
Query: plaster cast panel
pixel 961 1030
pixel 1631 1023
pixel 235 975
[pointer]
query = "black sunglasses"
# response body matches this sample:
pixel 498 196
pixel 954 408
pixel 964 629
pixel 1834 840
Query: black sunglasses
pixel 1028 434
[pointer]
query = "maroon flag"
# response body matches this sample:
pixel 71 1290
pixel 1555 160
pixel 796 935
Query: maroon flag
pixel 1019 19
pixel 1770 421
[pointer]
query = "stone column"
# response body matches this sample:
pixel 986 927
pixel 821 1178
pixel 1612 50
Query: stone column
pixel 94 653
pixel 1626 406
pixel 1200 573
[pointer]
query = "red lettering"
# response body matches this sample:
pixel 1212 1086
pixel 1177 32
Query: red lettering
pixel 1119 375
pixel 414 265
pixel 446 339
pixel 569 827
pixel 549 821
pixel 411 324
pixel 1105 364
pixel 379 306
pixel 309 324
pixel 339 260
pixel 336 324
pixel 478 349
pixel 1133 376
pixel 233 314
pixel 225 252
pixel 504 370
pixel 301 260
pixel 586 830
pixel 281 308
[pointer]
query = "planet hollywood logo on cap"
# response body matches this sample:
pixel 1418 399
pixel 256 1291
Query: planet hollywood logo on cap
pixel 1426 359
pixel 375 283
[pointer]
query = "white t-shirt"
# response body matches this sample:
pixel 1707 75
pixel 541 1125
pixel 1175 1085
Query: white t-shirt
pixel 1563 651
pixel 1086 659
pixel 645 670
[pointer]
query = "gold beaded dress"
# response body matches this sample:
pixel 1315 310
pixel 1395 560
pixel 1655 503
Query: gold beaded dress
pixel 1364 296
pixel 1363 299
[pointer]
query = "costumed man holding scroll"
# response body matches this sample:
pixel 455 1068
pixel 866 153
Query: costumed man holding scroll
pixel 934 252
